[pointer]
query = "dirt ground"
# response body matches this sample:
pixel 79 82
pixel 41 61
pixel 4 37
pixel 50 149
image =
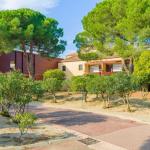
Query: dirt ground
pixel 140 107
pixel 40 134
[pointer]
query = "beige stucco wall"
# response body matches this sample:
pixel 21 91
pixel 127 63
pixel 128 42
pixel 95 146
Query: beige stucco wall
pixel 72 68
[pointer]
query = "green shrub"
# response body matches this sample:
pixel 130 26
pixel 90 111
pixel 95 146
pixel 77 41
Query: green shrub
pixel 142 72
pixel 66 85
pixel 24 122
pixel 16 92
pixel 37 89
pixel 124 87
pixel 52 85
pixel 58 74
pixel 79 84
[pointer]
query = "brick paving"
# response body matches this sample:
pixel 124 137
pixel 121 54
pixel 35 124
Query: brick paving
pixel 125 134
pixel 85 122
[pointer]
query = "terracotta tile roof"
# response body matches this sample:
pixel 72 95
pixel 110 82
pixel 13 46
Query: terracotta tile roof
pixel 71 57
pixel 74 57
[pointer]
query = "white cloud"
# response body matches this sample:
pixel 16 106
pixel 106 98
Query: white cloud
pixel 40 5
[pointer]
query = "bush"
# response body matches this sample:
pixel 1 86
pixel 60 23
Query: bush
pixel 94 85
pixel 66 85
pixel 52 85
pixel 24 122
pixel 124 87
pixel 16 92
pixel 79 84
pixel 58 74
pixel 109 89
pixel 142 71
pixel 37 89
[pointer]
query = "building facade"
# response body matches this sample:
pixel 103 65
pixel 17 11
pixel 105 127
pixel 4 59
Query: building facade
pixel 73 66
pixel 17 60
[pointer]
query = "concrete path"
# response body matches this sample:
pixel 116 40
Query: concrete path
pixel 113 133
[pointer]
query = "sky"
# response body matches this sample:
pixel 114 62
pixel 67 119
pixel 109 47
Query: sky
pixel 69 14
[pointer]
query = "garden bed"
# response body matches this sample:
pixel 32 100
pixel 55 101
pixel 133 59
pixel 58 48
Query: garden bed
pixel 10 136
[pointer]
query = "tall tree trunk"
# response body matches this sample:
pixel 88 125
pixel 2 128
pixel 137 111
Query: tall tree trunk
pixel 108 102
pixel 131 66
pixel 128 104
pixel 129 70
pixel 54 98
pixel 29 61
pixel 125 66
pixel 85 96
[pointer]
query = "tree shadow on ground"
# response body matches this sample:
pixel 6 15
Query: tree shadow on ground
pixel 146 145
pixel 140 103
pixel 6 123
pixel 70 118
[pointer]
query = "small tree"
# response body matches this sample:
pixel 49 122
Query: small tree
pixel 94 85
pixel 37 89
pixel 109 90
pixel 52 85
pixel 4 103
pixel 124 87
pixel 16 92
pixel 24 122
pixel 66 86
pixel 56 73
pixel 142 72
pixel 79 84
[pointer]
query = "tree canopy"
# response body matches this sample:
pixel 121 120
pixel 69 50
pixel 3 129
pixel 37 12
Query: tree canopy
pixel 31 31
pixel 142 69
pixel 116 27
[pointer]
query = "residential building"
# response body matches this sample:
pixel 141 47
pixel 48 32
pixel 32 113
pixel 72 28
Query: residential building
pixel 72 65
pixel 17 60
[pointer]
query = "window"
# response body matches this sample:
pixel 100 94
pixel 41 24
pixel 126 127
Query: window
pixel 94 69
pixel 80 67
pixel 63 68
pixel 12 65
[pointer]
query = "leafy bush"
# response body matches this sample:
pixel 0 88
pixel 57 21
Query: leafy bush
pixel 52 85
pixel 24 122
pixel 124 87
pixel 37 89
pixel 16 92
pixel 66 85
pixel 142 71
pixel 79 84
pixel 58 74
pixel 94 85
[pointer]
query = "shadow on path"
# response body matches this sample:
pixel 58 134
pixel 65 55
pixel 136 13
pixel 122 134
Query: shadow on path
pixel 70 118
pixel 146 145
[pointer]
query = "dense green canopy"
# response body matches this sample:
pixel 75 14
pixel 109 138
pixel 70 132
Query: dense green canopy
pixel 30 31
pixel 117 27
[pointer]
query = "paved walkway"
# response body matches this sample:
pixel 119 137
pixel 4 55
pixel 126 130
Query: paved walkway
pixel 111 132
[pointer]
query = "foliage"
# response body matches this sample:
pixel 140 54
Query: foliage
pixel 142 68
pixel 37 89
pixel 95 86
pixel 31 31
pixel 52 85
pixel 116 27
pixel 16 92
pixel 109 89
pixel 124 87
pixel 79 84
pixel 66 85
pixel 25 121
pixel 56 73
pixel 88 56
